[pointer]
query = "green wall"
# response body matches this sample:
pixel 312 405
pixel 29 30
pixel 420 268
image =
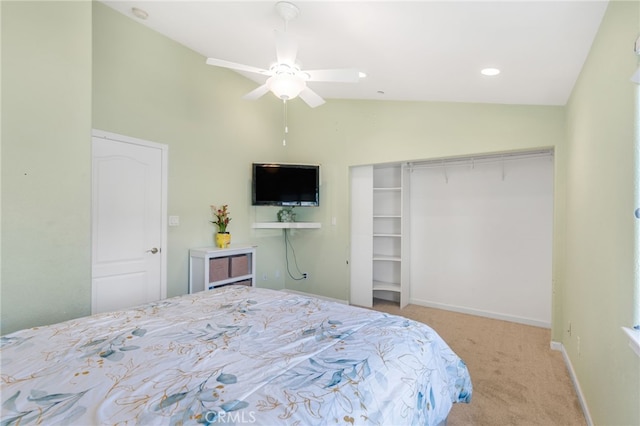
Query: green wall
pixel 598 277
pixel 149 87
pixel 341 134
pixel 46 162
pixel 68 67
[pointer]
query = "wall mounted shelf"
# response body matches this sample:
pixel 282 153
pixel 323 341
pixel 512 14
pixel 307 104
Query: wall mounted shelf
pixel 283 225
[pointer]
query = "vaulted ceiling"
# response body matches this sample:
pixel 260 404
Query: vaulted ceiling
pixel 409 50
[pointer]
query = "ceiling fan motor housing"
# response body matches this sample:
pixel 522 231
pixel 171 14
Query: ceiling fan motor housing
pixel 287 10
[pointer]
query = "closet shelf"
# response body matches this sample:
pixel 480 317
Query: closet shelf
pixel 387 258
pixel 381 285
pixel 388 235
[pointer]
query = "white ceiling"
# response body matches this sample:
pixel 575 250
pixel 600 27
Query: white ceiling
pixel 410 50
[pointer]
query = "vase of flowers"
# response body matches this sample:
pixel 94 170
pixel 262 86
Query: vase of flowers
pixel 222 219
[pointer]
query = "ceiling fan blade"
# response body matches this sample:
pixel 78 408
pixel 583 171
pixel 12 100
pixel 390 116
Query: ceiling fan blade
pixel 311 98
pixel 234 66
pixel 256 93
pixel 286 48
pixel 342 75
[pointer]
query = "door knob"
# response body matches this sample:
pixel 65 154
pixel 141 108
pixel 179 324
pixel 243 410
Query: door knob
pixel 153 250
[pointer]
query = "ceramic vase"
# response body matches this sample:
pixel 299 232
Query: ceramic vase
pixel 223 239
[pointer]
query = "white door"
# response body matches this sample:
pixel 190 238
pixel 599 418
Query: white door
pixel 128 222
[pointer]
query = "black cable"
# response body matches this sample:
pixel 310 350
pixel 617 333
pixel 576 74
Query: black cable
pixel 286 256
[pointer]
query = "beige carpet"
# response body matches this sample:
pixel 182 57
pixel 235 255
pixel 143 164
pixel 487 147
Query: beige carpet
pixel 517 379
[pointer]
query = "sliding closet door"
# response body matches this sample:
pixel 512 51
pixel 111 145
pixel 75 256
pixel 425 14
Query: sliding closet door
pixel 482 237
pixel 361 282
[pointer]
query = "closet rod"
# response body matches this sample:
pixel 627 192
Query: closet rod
pixel 472 160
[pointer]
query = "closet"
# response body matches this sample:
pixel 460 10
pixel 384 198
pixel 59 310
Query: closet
pixel 472 235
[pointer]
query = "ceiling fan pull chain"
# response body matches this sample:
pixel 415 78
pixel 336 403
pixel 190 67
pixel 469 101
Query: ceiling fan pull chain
pixel 286 128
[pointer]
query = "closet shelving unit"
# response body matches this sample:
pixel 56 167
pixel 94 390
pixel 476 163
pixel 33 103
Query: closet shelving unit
pixel 387 230
pixel 379 234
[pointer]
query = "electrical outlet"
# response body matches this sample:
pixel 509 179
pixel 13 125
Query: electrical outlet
pixel 264 277
pixel 305 275
pixel 277 274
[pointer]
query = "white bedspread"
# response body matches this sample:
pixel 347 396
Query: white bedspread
pixel 237 355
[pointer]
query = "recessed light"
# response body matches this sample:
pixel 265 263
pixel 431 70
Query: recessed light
pixel 139 13
pixel 362 74
pixel 490 72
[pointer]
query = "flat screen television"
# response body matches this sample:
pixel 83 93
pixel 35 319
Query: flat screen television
pixel 284 184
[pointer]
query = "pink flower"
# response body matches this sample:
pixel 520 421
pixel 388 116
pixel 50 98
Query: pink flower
pixel 222 217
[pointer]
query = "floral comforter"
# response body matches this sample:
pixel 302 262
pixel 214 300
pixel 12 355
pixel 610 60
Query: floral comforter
pixel 237 355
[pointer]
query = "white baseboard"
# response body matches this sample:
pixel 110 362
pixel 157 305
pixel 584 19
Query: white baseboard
pixel 557 346
pixel 302 293
pixel 480 313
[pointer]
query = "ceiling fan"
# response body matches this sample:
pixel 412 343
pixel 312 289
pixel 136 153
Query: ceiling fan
pixel 286 79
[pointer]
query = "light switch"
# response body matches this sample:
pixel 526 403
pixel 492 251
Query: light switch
pixel 174 220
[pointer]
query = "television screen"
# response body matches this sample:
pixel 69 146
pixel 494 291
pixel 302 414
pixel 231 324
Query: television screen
pixel 285 184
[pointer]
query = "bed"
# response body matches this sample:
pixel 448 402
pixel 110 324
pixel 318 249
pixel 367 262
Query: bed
pixel 236 355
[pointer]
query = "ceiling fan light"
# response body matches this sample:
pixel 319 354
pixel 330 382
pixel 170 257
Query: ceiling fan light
pixel 285 87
